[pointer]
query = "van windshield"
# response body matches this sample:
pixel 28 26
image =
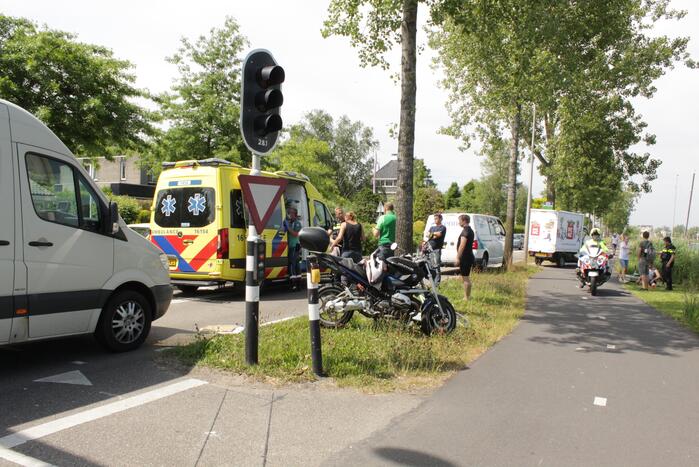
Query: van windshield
pixel 185 207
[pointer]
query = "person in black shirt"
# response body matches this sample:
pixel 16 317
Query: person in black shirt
pixel 350 238
pixel 436 240
pixel 667 257
pixel 464 253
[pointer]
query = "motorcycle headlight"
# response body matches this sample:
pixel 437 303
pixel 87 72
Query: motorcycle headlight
pixel 586 260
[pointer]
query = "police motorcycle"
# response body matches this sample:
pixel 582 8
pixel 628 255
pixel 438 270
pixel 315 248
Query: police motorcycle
pixel 398 288
pixel 593 267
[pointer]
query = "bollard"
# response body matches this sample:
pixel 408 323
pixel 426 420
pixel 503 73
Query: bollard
pixel 312 281
pixel 254 274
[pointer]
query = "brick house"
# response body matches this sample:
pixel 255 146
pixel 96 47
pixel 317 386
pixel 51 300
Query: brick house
pixel 123 175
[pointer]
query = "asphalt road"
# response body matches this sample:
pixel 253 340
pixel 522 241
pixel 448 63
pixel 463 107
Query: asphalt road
pixel 603 381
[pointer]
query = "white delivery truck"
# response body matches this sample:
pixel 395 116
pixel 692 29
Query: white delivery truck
pixel 68 263
pixel 555 236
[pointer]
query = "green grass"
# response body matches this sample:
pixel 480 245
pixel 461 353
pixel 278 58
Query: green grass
pixel 681 303
pixel 376 358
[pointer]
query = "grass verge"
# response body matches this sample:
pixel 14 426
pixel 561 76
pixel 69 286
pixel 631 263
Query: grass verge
pixel 681 303
pixel 377 357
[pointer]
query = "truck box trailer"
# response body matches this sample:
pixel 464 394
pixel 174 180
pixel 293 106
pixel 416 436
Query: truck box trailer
pixel 555 236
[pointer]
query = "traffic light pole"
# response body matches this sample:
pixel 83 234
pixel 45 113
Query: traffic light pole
pixel 252 286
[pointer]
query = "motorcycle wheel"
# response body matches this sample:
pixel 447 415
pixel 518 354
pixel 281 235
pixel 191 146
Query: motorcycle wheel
pixel 331 318
pixel 433 321
pixel 593 286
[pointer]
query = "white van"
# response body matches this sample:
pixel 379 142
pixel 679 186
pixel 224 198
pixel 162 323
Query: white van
pixel 488 244
pixel 68 263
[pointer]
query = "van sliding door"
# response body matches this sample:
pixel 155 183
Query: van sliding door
pixel 7 228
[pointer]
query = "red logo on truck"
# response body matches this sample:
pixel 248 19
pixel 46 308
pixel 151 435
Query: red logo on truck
pixel 535 229
pixel 570 233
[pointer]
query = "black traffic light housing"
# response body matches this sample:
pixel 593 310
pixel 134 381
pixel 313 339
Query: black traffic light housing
pixel 261 98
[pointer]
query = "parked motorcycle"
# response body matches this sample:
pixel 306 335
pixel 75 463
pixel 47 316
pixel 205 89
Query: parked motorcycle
pixel 400 288
pixel 593 268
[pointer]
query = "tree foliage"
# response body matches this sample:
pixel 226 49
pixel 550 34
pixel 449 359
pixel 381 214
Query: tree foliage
pixel 580 63
pixel 374 27
pixel 203 107
pixel 452 196
pixel 422 175
pixel 81 91
pixel 351 145
pixel 428 200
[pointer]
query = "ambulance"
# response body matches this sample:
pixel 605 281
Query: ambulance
pixel 199 219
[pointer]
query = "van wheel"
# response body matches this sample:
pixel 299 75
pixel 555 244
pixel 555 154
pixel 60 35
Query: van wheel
pixel 482 265
pixel 561 262
pixel 188 289
pixel 538 261
pixel 125 321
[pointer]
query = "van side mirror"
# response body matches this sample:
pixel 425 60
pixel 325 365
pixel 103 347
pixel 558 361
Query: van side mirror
pixel 112 224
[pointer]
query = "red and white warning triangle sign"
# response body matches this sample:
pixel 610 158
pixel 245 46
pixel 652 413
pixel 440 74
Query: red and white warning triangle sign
pixel 261 194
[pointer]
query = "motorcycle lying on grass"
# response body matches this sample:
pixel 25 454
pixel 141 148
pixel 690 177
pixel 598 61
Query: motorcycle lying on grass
pixel 399 288
pixel 593 268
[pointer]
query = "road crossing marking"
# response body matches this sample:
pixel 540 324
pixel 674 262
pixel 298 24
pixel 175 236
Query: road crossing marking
pixel 71 377
pixel 601 401
pixel 611 347
pixel 70 421
pixel 21 459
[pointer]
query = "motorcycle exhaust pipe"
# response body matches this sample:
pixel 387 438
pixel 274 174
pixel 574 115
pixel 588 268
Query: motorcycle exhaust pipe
pixel 339 305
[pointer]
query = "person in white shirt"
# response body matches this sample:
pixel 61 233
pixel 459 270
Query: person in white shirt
pixel 624 256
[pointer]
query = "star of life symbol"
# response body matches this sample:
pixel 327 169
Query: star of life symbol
pixel 168 205
pixel 197 204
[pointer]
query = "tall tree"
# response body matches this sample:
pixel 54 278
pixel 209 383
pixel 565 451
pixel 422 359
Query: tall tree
pixel 422 175
pixel 374 27
pixel 203 108
pixel 80 91
pixel 575 56
pixel 351 145
pixel 452 196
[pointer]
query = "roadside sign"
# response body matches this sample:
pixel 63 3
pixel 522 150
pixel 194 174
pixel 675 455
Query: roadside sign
pixel 261 194
pixel 379 208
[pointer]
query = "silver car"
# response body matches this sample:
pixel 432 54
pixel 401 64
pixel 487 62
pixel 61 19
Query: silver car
pixel 518 241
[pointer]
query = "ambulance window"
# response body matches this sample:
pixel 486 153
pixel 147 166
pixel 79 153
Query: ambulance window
pixel 322 218
pixel 239 214
pixel 275 220
pixel 52 188
pixel 185 207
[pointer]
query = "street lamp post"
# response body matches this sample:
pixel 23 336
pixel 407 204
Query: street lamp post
pixel 525 247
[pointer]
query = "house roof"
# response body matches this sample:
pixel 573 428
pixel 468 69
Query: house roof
pixel 390 170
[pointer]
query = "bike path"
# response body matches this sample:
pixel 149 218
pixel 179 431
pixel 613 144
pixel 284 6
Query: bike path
pixel 582 380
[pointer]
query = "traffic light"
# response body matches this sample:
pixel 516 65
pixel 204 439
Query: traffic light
pixel 261 98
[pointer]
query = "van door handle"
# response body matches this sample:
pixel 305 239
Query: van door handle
pixel 40 244
pixel 4 243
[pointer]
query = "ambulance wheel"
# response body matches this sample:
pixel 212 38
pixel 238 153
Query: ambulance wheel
pixel 125 321
pixel 188 289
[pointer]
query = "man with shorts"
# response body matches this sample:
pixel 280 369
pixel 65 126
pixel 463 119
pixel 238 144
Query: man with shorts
pixel 644 249
pixel 624 256
pixel 464 253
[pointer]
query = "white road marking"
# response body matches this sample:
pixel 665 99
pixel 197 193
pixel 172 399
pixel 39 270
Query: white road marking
pixel 584 298
pixel 601 401
pixel 178 300
pixel 278 320
pixel 70 421
pixel 578 349
pixel 70 377
pixel 601 317
pixel 78 362
pixel 21 459
pixel 611 347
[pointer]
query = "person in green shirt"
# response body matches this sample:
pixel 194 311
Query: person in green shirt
pixel 385 231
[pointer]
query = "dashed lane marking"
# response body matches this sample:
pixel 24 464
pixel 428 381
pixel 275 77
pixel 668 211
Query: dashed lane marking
pixel 601 401
pixel 70 421
pixel 611 347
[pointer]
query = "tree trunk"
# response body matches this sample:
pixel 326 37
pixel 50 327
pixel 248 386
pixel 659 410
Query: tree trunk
pixel 406 133
pixel 512 187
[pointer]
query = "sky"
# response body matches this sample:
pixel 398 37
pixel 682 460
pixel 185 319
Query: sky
pixel 326 74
